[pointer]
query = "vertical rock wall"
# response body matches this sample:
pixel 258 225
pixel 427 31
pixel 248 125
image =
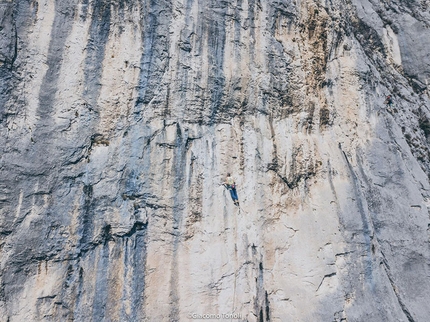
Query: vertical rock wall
pixel 120 119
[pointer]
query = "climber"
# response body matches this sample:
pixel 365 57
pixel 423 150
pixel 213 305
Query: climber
pixel 230 184
pixel 388 101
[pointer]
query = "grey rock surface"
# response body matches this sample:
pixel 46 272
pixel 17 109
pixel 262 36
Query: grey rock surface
pixel 120 119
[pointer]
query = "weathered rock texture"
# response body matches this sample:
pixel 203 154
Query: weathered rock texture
pixel 119 120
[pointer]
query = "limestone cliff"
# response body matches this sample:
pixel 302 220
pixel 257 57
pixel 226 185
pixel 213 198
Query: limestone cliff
pixel 120 119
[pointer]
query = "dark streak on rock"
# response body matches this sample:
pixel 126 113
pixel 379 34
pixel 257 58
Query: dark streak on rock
pixel 178 173
pixel 216 35
pixel 261 301
pixel 367 232
pixel 87 214
pixel 61 29
pixel 139 258
pixel 267 307
pixel 155 40
pixel 95 50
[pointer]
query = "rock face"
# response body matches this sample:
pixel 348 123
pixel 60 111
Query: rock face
pixel 120 119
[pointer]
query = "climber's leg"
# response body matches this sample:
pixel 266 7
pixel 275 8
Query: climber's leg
pixel 234 195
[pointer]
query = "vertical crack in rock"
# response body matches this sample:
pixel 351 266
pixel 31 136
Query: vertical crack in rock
pixel 87 216
pixel 267 303
pixel 396 291
pixel 261 301
pixel 178 172
pixel 333 190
